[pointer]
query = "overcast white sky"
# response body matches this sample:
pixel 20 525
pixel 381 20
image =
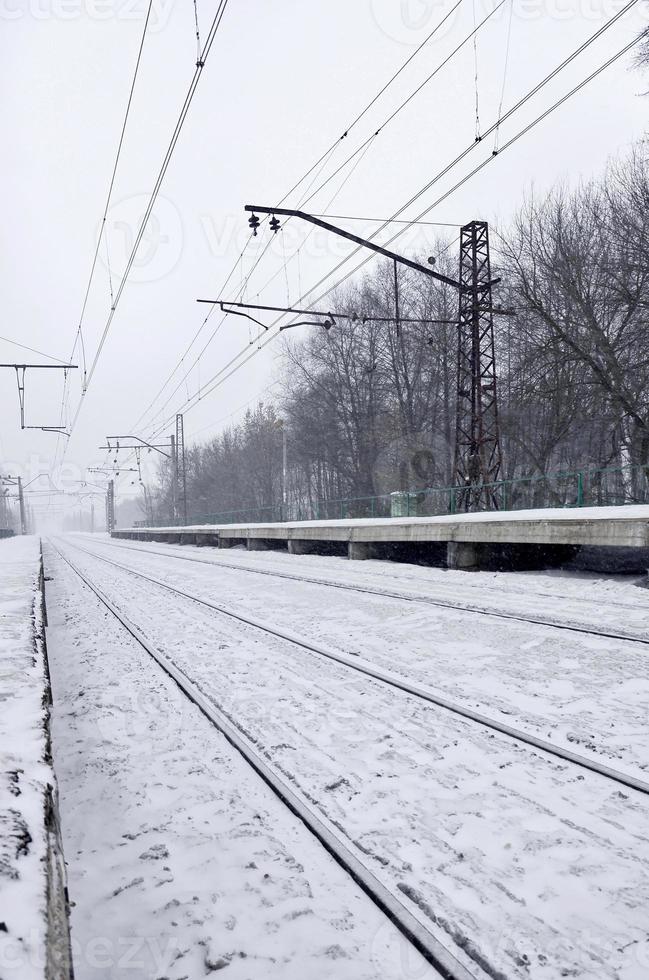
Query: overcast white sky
pixel 282 82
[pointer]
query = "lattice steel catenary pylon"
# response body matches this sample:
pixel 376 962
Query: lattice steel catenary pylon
pixel 478 456
pixel 180 473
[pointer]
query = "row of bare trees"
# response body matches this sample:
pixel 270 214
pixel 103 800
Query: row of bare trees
pixel 366 409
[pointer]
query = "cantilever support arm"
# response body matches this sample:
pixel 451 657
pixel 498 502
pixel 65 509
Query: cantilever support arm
pixel 241 313
pixel 335 230
pixel 300 323
pixel 49 428
pixel 143 444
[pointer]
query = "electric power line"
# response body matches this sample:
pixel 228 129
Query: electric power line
pixel 221 376
pixel 481 165
pixel 402 106
pixel 505 67
pixel 78 339
pixel 33 350
pixel 363 148
pixel 193 341
pixel 240 293
pixel 372 101
pixel 502 118
pixel 111 184
pixel 154 194
pixel 389 221
pixel 471 146
pixel 319 163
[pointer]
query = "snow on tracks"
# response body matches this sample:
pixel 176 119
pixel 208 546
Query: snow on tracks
pixel 183 861
pixel 588 694
pixel 393 680
pixel 535 868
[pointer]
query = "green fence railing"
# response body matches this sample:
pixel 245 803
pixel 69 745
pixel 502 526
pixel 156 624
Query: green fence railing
pixel 612 486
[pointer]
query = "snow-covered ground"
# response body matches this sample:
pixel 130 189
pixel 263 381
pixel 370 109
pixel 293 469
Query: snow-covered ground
pixel 579 690
pixel 181 861
pixel 586 599
pixel 539 869
pixel 25 773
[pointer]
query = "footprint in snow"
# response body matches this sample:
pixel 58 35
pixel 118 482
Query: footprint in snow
pixel 155 853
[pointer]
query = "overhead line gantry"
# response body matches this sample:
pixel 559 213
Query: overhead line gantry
pixel 20 370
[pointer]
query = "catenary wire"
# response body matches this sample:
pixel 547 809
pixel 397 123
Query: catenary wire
pixel 319 166
pixel 371 102
pixel 218 17
pixel 33 350
pixel 453 163
pixel 78 339
pixel 412 95
pixel 274 276
pixel 214 382
pixel 112 180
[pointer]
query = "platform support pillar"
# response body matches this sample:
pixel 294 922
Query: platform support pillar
pixel 359 550
pixel 462 556
pixel 256 544
pixel 297 547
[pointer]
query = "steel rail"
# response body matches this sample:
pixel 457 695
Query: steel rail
pixel 409 925
pixel 173 553
pixel 405 596
pixel 418 691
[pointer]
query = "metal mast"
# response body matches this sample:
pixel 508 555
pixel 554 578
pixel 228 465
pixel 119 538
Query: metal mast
pixel 180 474
pixel 110 506
pixel 14 481
pixel 477 437
pixel 21 504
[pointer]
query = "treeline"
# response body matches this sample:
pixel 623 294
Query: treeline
pixel 9 514
pixel 366 410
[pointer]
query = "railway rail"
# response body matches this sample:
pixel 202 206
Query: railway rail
pixel 412 929
pixel 406 596
pixel 394 681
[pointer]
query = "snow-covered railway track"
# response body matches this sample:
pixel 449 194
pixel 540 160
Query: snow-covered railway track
pixel 519 864
pixel 444 603
pixel 412 929
pixel 393 681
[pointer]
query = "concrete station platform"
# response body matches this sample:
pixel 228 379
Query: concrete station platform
pixel 523 538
